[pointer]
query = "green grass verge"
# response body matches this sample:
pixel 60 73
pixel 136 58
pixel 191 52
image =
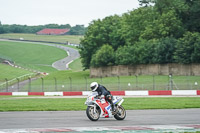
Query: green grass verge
pixel 77 82
pixel 68 104
pixel 76 65
pixel 162 103
pixel 30 55
pixel 80 81
pixel 75 39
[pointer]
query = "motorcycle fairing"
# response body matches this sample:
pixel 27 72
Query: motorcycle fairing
pixel 104 111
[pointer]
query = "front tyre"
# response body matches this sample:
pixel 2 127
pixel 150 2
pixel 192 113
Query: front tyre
pixel 91 114
pixel 121 114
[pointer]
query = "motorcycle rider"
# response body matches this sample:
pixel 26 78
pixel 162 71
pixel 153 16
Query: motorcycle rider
pixel 103 93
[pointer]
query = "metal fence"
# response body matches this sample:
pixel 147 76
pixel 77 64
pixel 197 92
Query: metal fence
pixel 136 82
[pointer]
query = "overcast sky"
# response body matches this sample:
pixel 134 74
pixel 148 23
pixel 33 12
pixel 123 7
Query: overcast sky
pixel 40 12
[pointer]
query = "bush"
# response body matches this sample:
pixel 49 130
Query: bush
pixel 103 57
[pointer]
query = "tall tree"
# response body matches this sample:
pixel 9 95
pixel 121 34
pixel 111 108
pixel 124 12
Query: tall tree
pixel 1 28
pixel 191 16
pixel 77 30
pixel 185 48
pixel 196 54
pixel 126 55
pixel 146 2
pixel 165 48
pixel 166 25
pixel 187 10
pixel 135 22
pixel 100 32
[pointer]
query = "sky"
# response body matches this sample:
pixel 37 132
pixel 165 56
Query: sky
pixel 73 12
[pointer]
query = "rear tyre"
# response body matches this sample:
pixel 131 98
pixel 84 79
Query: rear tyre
pixel 121 114
pixel 91 114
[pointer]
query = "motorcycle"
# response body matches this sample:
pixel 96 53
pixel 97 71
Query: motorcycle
pixel 99 107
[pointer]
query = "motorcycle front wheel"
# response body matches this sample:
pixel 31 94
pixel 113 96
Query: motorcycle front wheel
pixel 91 114
pixel 121 114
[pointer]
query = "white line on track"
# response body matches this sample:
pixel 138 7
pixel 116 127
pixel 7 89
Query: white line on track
pixel 130 129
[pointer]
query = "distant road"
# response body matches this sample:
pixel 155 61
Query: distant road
pixel 63 64
pixel 58 119
pixel 60 64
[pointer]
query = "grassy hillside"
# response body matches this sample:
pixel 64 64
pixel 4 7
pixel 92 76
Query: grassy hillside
pixel 33 56
pixel 11 72
pixel 51 38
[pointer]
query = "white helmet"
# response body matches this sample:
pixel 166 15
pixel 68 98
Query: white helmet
pixel 94 86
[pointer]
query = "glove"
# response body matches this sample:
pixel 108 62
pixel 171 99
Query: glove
pixel 97 97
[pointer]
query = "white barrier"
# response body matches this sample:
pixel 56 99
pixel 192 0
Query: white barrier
pixel 86 93
pixel 20 93
pixel 136 93
pixel 53 93
pixel 184 92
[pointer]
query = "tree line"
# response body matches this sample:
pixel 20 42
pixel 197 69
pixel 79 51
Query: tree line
pixel 14 28
pixel 160 31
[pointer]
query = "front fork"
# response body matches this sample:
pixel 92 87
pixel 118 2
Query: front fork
pixel 94 110
pixel 119 104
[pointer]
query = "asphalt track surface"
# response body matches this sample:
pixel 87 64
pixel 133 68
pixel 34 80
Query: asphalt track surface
pixel 63 119
pixel 63 63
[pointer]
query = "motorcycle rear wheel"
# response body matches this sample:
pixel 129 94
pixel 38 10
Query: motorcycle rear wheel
pixel 121 113
pixel 93 116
